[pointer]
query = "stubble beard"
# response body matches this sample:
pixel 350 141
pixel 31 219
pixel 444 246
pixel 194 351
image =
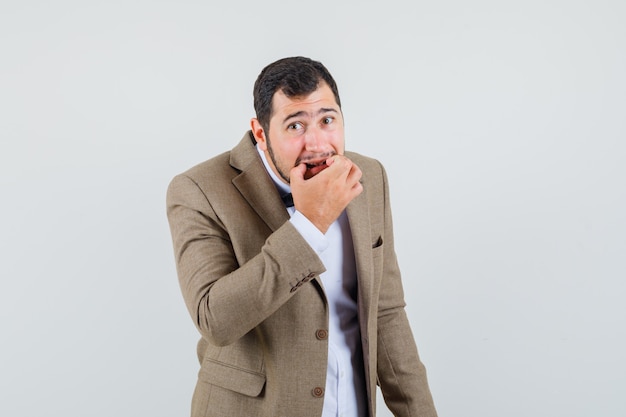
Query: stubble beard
pixel 282 174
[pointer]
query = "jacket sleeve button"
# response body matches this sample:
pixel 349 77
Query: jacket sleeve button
pixel 321 334
pixel 318 392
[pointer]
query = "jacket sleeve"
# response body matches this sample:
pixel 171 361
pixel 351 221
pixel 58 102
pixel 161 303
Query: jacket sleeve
pixel 401 374
pixel 227 299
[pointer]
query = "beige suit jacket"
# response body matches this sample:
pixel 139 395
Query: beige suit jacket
pixel 251 284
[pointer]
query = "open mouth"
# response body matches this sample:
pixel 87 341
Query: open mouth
pixel 314 168
pixel 315 164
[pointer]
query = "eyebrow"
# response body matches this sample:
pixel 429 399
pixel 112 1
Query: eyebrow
pixel 302 112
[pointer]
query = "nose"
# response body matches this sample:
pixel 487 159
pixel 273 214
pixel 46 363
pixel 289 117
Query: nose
pixel 313 140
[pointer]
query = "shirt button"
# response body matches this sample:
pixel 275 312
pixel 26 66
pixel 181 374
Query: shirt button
pixel 318 392
pixel 321 334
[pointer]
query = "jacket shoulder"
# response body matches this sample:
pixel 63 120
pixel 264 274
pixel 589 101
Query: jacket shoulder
pixel 226 165
pixel 363 160
pixel 372 168
pixel 211 169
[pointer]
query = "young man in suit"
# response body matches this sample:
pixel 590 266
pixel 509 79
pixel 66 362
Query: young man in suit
pixel 285 256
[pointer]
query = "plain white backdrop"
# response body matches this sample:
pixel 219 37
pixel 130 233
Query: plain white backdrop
pixel 502 126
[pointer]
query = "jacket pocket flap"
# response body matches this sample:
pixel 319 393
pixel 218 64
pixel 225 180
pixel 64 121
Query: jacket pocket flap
pixel 235 379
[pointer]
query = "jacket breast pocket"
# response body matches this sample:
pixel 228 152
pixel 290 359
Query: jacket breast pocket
pixel 377 258
pixel 223 375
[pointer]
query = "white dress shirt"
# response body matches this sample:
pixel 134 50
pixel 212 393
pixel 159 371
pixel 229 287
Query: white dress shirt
pixel 344 394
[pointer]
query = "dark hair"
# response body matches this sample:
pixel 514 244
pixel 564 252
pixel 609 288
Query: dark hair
pixel 295 77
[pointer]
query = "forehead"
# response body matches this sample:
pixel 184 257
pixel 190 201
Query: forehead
pixel 319 98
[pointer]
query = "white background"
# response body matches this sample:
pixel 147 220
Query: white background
pixel 502 126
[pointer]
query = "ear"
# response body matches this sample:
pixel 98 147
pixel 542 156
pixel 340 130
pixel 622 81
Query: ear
pixel 259 133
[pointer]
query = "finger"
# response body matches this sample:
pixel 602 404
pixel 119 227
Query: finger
pixel 297 173
pixel 349 170
pixel 355 173
pixel 341 164
pixel 357 188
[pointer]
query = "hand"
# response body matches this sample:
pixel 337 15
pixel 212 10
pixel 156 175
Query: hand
pixel 325 196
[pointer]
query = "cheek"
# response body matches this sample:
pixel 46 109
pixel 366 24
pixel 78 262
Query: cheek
pixel 289 154
pixel 337 142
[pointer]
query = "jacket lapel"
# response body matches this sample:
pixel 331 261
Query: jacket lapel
pixel 359 218
pixel 255 184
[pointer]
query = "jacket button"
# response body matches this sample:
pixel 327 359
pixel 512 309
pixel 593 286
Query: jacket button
pixel 318 392
pixel 321 334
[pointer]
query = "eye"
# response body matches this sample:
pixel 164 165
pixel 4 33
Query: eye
pixel 295 126
pixel 327 120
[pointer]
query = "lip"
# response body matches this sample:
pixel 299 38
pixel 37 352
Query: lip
pixel 313 164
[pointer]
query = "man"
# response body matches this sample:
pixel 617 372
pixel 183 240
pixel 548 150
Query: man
pixel 298 299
